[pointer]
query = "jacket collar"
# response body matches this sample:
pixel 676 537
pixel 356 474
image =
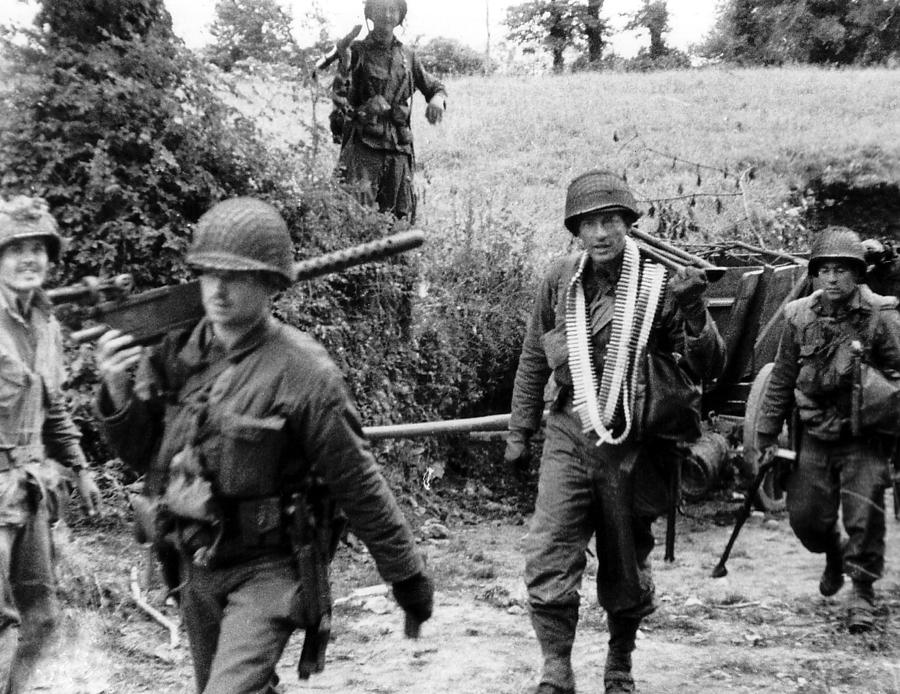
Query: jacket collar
pixel 202 348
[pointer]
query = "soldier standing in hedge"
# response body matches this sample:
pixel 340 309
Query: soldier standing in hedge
pixel 599 477
pixel 232 420
pixel 835 496
pixel 35 430
pixel 377 158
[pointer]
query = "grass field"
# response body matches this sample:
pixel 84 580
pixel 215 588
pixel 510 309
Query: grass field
pixel 509 145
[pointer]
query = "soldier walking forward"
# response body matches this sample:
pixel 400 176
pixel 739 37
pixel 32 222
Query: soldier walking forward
pixel 608 478
pixel 230 420
pixel 836 493
pixel 36 434
pixel 374 90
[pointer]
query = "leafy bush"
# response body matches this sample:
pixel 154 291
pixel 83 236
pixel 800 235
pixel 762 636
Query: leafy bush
pixel 444 56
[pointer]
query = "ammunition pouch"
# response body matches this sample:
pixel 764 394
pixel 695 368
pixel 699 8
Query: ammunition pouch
pixel 880 407
pixel 373 116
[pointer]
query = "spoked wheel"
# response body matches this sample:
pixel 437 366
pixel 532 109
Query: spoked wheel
pixel 769 497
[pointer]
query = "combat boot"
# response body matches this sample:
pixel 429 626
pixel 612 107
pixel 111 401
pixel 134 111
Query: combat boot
pixel 833 576
pixel 617 677
pixel 861 613
pixel 555 630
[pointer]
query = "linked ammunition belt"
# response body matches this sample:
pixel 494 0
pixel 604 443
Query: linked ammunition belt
pixel 637 299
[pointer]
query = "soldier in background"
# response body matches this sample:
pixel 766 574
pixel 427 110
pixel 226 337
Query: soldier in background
pixel 375 88
pixel 36 435
pixel 589 486
pixel 230 420
pixel 836 493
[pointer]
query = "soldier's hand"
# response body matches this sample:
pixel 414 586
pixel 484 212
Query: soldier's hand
pixel 434 112
pixel 688 286
pixel 518 450
pixel 765 442
pixel 116 355
pixel 88 491
pixel 416 596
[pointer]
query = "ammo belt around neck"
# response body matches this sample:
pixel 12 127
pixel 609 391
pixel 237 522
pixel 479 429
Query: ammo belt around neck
pixel 638 294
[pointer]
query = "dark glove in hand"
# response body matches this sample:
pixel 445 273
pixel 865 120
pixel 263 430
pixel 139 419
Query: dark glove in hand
pixel 518 450
pixel 688 286
pixel 416 596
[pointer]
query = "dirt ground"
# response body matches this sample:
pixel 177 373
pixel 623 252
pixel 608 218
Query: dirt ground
pixel 763 628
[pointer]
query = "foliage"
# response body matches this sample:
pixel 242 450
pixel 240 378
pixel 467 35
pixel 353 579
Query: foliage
pixel 670 59
pixel 95 21
pixel 129 143
pixel 443 56
pixel 808 31
pixel 251 29
pixel 557 25
pixel 653 16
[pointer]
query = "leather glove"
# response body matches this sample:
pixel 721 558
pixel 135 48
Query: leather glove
pixel 416 596
pixel 434 112
pixel 88 491
pixel 688 287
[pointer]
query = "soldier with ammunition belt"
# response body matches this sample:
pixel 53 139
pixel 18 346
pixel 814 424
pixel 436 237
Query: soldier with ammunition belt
pixel 836 493
pixel 603 472
pixel 36 435
pixel 374 90
pixel 251 448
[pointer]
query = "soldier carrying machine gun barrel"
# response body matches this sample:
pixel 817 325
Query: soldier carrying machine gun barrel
pixel 251 447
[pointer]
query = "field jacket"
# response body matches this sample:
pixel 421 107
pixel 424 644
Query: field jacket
pixel 34 419
pixel 382 80
pixel 814 367
pixel 543 376
pixel 263 415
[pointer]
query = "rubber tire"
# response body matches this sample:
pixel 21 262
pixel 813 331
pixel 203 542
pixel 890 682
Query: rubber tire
pixel 766 498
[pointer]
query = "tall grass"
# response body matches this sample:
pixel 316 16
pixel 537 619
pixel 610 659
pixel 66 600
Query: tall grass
pixel 521 139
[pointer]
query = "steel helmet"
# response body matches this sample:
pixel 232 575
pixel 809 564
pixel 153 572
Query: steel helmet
pixel 24 217
pixel 598 190
pixel 370 4
pixel 243 234
pixel 837 243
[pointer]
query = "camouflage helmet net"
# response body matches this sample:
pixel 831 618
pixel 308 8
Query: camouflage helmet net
pixel 370 5
pixel 24 217
pixel 598 190
pixel 837 243
pixel 243 234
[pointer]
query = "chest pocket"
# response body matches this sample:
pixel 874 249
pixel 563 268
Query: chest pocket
pixel 825 361
pixel 14 380
pixel 247 457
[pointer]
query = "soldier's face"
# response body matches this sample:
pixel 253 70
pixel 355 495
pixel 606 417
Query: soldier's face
pixel 234 300
pixel 23 265
pixel 602 235
pixel 385 17
pixel 837 280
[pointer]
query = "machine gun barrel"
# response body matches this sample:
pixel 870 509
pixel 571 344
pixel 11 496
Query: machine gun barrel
pixel 496 422
pixel 150 315
pixel 91 289
pixel 339 48
pixel 673 257
pixel 489 423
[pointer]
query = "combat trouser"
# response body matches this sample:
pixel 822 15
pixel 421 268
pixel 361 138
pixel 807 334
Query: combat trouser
pixel 379 177
pixel 850 477
pixel 239 620
pixel 29 608
pixel 613 492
